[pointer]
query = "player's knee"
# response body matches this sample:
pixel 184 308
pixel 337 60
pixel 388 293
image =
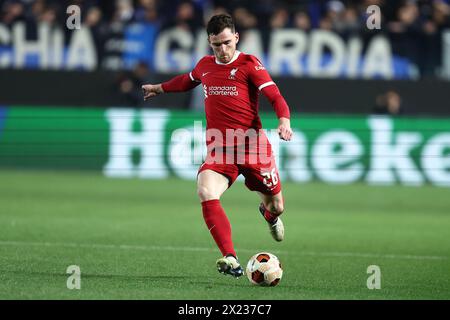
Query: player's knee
pixel 205 193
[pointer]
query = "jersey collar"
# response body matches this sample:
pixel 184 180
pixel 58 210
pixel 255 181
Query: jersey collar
pixel 235 56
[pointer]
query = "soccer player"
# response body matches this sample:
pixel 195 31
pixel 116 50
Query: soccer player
pixel 231 82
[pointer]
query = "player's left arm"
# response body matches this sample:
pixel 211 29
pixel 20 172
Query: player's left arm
pixel 259 76
pixel 281 108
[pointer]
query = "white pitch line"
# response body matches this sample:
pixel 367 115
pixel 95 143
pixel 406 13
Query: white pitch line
pixel 196 249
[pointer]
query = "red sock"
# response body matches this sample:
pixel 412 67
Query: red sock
pixel 269 216
pixel 219 226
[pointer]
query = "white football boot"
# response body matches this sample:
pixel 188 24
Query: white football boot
pixel 230 265
pixel 276 228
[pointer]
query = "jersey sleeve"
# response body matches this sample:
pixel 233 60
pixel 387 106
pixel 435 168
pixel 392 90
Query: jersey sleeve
pixel 263 81
pixel 184 82
pixel 280 106
pixel 194 75
pixel 179 83
pixel 258 74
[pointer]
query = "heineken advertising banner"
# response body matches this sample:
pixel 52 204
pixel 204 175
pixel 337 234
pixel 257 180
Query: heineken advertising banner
pixel 156 144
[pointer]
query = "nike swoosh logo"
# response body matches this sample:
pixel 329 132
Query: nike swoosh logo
pixel 205 73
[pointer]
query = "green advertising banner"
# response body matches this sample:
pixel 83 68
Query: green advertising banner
pixel 156 144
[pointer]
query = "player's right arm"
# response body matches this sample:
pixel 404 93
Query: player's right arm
pixel 177 84
pixel 151 90
pixel 183 82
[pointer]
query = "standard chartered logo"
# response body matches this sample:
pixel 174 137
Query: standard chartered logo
pixel 377 152
pixel 222 90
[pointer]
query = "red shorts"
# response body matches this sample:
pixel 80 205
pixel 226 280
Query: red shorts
pixel 259 176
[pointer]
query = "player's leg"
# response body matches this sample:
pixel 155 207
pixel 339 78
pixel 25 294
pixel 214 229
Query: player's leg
pixel 210 187
pixel 264 179
pixel 271 207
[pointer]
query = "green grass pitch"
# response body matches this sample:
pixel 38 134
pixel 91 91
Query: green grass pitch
pixel 144 239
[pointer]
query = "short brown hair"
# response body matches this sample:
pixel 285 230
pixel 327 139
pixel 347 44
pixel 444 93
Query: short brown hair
pixel 218 23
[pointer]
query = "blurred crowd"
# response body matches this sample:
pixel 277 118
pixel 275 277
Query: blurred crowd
pixel 342 16
pixel 414 26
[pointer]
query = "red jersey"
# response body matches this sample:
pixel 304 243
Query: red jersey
pixel 231 93
pixel 231 90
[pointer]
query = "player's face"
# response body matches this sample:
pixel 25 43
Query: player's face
pixel 224 44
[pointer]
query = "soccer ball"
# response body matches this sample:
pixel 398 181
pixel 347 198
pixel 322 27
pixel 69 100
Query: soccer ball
pixel 264 269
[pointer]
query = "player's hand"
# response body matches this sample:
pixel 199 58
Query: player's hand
pixel 284 129
pixel 151 90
